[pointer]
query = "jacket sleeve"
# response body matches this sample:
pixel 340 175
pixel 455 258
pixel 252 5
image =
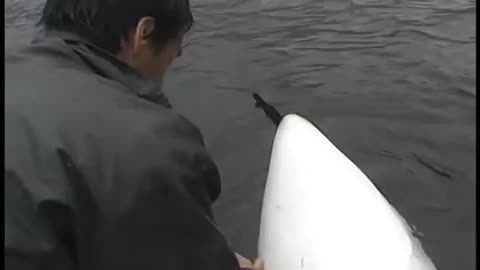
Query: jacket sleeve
pixel 153 211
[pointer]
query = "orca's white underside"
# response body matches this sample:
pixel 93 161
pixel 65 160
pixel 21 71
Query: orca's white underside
pixel 320 212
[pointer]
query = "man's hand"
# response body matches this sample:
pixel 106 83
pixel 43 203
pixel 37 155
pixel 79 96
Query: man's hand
pixel 246 264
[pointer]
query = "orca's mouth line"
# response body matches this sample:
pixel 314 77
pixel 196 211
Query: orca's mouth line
pixel 269 110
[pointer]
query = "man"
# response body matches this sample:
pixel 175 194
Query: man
pixel 100 173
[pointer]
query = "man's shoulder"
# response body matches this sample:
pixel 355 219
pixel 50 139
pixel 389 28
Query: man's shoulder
pixel 49 87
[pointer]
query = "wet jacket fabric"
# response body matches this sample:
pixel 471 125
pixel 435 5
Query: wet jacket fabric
pixel 100 172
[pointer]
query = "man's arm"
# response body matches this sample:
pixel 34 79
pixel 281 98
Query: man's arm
pixel 155 211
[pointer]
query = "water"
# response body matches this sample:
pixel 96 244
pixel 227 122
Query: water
pixel 391 82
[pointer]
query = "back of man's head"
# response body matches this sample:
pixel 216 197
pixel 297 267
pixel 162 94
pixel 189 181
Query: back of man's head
pixel 107 22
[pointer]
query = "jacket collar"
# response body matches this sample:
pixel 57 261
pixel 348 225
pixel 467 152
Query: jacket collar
pixel 107 65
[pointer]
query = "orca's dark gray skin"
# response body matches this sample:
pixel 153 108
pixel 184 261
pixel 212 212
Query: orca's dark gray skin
pixel 100 173
pixel 269 110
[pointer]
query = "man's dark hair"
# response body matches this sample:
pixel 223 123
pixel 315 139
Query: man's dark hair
pixel 106 22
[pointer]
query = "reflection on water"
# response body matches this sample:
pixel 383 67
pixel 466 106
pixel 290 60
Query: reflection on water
pixel 391 82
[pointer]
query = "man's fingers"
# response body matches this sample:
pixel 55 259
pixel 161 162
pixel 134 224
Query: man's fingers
pixel 244 262
pixel 247 264
pixel 258 265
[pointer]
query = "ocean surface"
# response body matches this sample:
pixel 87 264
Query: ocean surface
pixel 390 82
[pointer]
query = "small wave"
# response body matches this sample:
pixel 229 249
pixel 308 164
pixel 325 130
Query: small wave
pixel 438 169
pixel 353 48
pixel 427 34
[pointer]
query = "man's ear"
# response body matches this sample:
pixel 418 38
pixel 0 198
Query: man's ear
pixel 143 31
